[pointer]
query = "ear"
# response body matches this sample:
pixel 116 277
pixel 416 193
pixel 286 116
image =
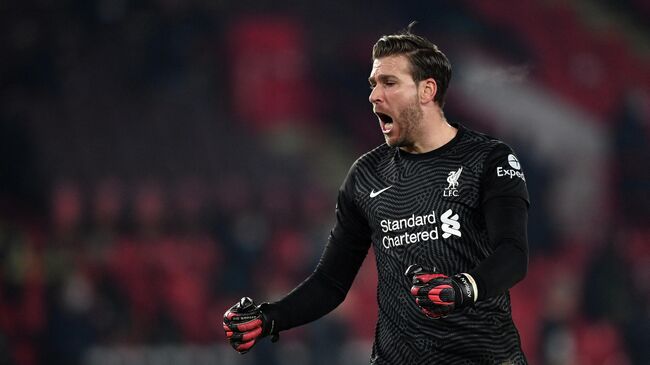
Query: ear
pixel 428 90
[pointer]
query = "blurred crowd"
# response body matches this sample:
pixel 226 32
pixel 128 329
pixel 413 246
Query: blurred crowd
pixel 161 159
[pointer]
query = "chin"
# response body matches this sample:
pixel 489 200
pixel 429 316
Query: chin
pixel 392 142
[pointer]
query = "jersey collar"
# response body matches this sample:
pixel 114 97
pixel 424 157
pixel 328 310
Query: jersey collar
pixel 438 151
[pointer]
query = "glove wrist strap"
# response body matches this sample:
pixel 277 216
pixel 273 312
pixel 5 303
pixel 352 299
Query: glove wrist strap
pixel 466 287
pixel 269 327
pixel 473 284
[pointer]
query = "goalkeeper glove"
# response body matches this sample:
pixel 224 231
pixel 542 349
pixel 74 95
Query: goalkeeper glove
pixel 245 323
pixel 437 294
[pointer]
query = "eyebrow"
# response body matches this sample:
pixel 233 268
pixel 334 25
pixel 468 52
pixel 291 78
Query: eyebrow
pixel 371 79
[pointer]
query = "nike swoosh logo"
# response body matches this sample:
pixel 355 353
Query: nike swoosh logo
pixel 374 193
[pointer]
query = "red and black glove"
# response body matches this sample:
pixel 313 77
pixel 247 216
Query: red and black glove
pixel 245 323
pixel 437 294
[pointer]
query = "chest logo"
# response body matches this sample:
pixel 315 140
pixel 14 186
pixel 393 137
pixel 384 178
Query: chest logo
pixel 452 180
pixel 374 193
pixel 450 224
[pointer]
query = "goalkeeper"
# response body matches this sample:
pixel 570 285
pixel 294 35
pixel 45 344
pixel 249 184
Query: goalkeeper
pixel 445 210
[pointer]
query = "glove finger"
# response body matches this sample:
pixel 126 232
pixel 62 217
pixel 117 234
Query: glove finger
pixel 432 310
pixel 424 290
pixel 425 302
pixel 420 290
pixel 243 347
pixel 426 277
pixel 247 336
pixel 228 315
pixel 247 326
pixel 229 331
pixel 441 295
pixel 230 327
pixel 235 336
pixel 244 331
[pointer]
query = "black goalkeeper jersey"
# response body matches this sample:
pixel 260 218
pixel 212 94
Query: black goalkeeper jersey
pixel 426 209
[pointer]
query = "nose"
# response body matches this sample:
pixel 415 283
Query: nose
pixel 375 95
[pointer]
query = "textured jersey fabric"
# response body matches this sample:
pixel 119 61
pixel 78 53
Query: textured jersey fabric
pixel 426 209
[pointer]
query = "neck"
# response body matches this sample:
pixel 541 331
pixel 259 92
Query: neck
pixel 434 132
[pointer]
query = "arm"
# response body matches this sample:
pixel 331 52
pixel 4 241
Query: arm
pixel 505 205
pixel 339 264
pixel 321 292
pixel 506 219
pixel 505 211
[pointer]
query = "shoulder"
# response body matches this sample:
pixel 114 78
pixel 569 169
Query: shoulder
pixel 483 143
pixel 374 158
pixel 370 167
pixel 475 139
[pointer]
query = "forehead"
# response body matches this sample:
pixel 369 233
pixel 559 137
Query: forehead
pixel 397 65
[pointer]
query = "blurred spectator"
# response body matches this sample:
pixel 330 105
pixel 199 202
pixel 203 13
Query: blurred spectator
pixel 22 296
pixel 631 155
pixel 612 298
pixel 70 291
pixel 20 180
pixel 150 211
pixel 107 213
pixel 189 203
pixel 558 343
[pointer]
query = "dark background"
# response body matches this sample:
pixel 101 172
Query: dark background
pixel 160 159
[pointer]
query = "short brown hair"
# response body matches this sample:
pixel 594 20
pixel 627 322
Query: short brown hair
pixel 427 61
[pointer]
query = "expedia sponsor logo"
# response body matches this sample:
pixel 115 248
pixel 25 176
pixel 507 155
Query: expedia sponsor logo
pixel 514 171
pixel 514 162
pixel 510 173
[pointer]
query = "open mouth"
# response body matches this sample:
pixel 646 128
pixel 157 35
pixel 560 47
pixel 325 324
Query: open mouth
pixel 386 122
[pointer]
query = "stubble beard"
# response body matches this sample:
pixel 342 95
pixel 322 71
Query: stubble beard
pixel 409 119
